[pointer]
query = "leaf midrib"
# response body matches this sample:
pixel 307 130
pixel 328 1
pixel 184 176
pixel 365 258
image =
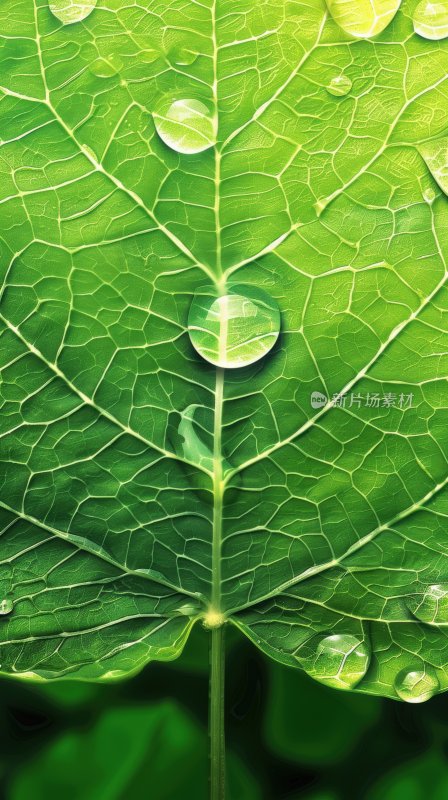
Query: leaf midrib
pixel 179 244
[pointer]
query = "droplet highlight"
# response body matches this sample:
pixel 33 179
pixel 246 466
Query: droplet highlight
pixel 431 20
pixel 338 660
pixel 70 11
pixel 183 56
pixel 435 155
pixel 6 606
pixel 339 86
pixel 431 606
pixel 416 685
pixel 106 67
pixel 235 329
pixel 429 196
pixel 187 126
pixel 363 18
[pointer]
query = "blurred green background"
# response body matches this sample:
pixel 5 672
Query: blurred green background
pixel 288 737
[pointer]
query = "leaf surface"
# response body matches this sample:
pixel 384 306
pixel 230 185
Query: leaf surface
pixel 140 485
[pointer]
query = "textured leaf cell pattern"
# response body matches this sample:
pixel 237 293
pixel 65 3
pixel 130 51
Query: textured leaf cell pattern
pixel 210 214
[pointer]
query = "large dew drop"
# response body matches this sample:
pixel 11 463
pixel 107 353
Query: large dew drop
pixel 70 11
pixel 435 154
pixel 338 660
pixel 431 606
pixel 6 606
pixel 363 18
pixel 431 19
pixel 416 685
pixel 187 126
pixel 235 329
pixel 339 86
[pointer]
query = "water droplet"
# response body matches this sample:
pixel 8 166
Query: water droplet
pixel 416 685
pixel 235 329
pixel 339 86
pixel 186 126
pixel 363 18
pixel 6 606
pixel 431 19
pixel 183 56
pixel 435 154
pixel 70 11
pixel 196 438
pixel 431 606
pixel 113 675
pixel 338 660
pixel 429 196
pixel 188 610
pixel 148 56
pixel 106 67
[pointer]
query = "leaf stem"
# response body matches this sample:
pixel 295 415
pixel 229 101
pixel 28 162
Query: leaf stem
pixel 216 722
pixel 218 491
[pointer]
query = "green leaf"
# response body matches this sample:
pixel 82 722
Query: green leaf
pixel 150 151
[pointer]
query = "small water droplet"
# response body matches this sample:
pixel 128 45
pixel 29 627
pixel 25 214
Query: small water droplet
pixel 186 126
pixel 195 434
pixel 148 56
pixel 429 196
pixel 338 660
pixel 431 19
pixel 435 154
pixel 6 606
pixel 183 56
pixel 339 86
pixel 106 67
pixel 70 11
pixel 363 18
pixel 113 675
pixel 188 610
pixel 234 329
pixel 416 685
pixel 431 606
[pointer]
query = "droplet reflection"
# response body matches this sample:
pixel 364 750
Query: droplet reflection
pixel 416 685
pixel 339 86
pixel 70 11
pixel 235 329
pixel 431 20
pixel 431 607
pixel 183 56
pixel 363 18
pixel 187 126
pixel 6 606
pixel 338 660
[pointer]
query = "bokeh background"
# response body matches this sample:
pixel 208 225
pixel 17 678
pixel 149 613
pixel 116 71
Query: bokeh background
pixel 289 738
